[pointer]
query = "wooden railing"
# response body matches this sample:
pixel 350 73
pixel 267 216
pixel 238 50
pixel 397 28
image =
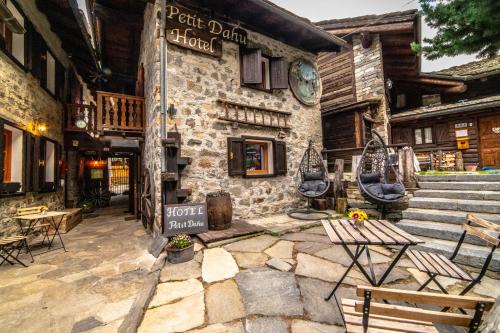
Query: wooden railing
pixel 121 113
pixel 81 118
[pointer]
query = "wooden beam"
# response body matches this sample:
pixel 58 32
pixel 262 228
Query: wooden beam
pixel 124 17
pixel 425 80
pixel 400 27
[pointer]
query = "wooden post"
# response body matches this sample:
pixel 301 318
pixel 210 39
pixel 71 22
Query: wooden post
pixel 406 166
pixel 440 160
pixel 459 161
pixel 339 174
pixel 354 169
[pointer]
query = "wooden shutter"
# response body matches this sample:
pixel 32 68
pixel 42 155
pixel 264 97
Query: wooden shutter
pixel 1 154
pixel 252 66
pixel 442 133
pixel 60 81
pixel 57 167
pixel 36 167
pixel 235 156
pixel 401 135
pixel 280 163
pixel 37 52
pixel 279 73
pixel 28 161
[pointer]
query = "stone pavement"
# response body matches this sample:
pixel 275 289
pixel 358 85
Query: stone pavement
pixel 270 284
pixel 90 288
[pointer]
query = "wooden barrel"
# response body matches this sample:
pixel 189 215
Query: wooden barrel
pixel 219 210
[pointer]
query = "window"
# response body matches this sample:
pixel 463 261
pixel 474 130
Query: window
pixel 12 159
pixel 423 135
pixel 263 72
pixel 48 165
pixel 13 43
pixel 256 157
pixel 400 101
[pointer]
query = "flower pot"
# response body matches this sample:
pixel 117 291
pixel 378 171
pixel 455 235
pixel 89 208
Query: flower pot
pixel 176 256
pixel 219 210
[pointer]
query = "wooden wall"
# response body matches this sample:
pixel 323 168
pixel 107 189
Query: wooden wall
pixel 337 76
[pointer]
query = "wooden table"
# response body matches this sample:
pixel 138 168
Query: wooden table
pixel 54 218
pixel 373 232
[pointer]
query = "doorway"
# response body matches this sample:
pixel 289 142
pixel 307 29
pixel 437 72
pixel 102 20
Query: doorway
pixel 119 180
pixel 489 136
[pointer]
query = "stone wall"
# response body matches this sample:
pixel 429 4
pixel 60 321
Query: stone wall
pixel 22 101
pixel 370 81
pixel 195 82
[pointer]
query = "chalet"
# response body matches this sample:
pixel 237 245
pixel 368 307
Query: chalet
pixel 450 117
pixel 180 99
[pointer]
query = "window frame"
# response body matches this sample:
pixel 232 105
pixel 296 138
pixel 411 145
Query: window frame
pixel 3 46
pixel 266 65
pixel 42 155
pixel 267 158
pixel 22 191
pixel 424 136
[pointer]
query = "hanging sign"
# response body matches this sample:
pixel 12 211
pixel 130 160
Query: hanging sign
pixel 185 218
pixel 191 30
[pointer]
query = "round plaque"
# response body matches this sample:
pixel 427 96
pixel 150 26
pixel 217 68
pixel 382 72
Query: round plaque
pixel 305 81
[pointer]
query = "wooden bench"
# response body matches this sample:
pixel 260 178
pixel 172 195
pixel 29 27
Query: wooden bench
pixel 368 316
pixel 434 264
pixel 71 219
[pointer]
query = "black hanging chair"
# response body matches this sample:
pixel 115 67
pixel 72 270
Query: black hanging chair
pixel 373 175
pixel 314 183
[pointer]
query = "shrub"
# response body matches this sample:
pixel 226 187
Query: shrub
pixel 180 241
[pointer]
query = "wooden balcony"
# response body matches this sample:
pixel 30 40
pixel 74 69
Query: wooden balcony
pixel 114 113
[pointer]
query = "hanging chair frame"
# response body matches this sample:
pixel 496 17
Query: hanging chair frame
pixel 381 162
pixel 311 162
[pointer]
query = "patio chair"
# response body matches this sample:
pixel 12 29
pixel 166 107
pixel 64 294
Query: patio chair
pixel 373 175
pixel 438 265
pixel 368 316
pixel 10 244
pixel 43 227
pixel 314 183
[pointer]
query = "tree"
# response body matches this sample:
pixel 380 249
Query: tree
pixel 463 27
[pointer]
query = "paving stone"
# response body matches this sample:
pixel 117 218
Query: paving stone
pixel 254 244
pixel 221 328
pixel 281 250
pixel 316 230
pixel 86 325
pixel 250 259
pixel 181 316
pixel 182 271
pixel 305 237
pixel 311 266
pixel 314 292
pixel 266 325
pixel 488 287
pixel 223 302
pixel 218 265
pixel 269 292
pixel 422 277
pixel 279 264
pixel 108 328
pixel 338 255
pixel 171 291
pixel 310 247
pixel 113 311
pixel 303 326
pixel 292 262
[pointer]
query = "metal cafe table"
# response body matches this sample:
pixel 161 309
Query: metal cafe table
pixel 373 232
pixel 54 218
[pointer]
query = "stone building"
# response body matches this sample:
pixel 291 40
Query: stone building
pixel 240 106
pixel 34 69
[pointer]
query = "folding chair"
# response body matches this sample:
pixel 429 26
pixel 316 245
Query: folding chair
pixel 43 227
pixel 10 244
pixel 438 265
pixel 368 316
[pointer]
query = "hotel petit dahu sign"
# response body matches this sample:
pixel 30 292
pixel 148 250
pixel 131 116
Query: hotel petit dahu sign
pixel 185 218
pixel 191 30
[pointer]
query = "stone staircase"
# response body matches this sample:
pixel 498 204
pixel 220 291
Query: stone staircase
pixel 439 208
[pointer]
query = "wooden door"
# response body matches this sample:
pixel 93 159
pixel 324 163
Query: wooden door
pixel 489 135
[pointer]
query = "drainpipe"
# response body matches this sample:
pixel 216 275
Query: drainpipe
pixel 163 81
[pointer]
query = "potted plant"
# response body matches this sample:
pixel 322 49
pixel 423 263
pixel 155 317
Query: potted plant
pixel 358 216
pixel 180 248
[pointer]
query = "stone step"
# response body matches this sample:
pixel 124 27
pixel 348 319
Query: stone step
pixel 447 231
pixel 467 186
pixel 445 216
pixel 461 177
pixel 361 204
pixel 458 194
pixel 478 206
pixel 469 254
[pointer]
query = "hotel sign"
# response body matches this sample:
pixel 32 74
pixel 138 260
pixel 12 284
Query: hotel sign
pixel 191 30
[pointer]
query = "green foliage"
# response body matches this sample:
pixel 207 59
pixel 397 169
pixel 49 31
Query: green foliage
pixel 463 27
pixel 180 241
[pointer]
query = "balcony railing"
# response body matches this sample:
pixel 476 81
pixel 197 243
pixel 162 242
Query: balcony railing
pixel 113 113
pixel 121 113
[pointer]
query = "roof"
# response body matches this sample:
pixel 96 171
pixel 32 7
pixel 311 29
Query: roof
pixel 471 70
pixel 368 20
pixel 447 109
pixel 364 104
pixel 265 17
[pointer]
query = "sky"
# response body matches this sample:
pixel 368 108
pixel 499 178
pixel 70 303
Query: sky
pixel 318 10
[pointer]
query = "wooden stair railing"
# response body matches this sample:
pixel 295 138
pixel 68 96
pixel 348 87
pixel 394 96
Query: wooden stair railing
pixel 121 113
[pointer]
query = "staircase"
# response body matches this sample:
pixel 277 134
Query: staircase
pixel 439 208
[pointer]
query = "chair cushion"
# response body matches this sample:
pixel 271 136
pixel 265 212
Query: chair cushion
pixel 312 187
pixel 313 175
pixel 368 178
pixel 396 188
pixel 375 189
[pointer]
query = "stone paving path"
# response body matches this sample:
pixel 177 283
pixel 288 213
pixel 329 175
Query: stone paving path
pixel 90 288
pixel 269 284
